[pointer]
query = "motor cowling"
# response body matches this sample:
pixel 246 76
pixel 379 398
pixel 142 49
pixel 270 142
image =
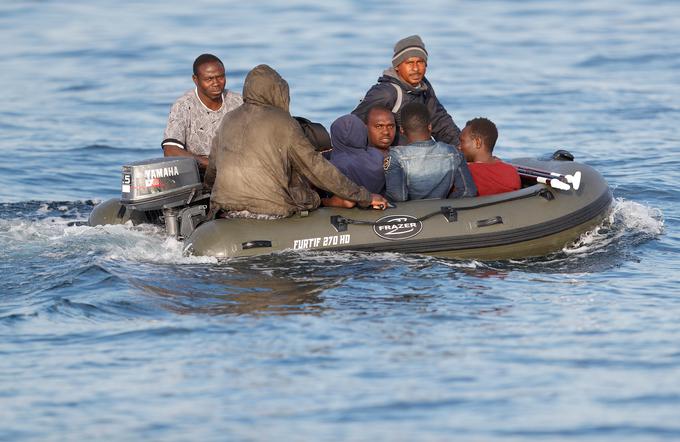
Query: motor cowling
pixel 158 183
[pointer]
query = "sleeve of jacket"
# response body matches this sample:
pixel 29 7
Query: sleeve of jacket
pixel 395 179
pixel 379 94
pixel 321 173
pixel 444 129
pixel 463 184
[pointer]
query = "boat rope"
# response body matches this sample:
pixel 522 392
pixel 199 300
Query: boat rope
pixel 450 213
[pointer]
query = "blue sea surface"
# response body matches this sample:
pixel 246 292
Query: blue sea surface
pixel 110 333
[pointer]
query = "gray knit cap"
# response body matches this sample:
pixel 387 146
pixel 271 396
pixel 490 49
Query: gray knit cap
pixel 408 47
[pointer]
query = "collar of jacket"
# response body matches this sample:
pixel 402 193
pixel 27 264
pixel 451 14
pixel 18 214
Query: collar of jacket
pixel 390 75
pixel 424 143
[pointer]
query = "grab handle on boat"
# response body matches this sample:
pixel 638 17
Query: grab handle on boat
pixel 450 214
pixel 490 221
pixel 256 244
pixel 339 222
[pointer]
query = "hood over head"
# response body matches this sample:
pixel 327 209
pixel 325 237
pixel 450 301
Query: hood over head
pixel 349 132
pixel 264 86
pixel 352 155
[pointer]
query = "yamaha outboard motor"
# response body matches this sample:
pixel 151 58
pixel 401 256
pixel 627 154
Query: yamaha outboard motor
pixel 167 190
pixel 151 184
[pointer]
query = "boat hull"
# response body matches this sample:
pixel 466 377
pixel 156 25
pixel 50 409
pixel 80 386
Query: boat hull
pixel 532 221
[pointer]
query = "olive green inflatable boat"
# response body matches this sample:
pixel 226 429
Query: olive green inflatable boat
pixel 561 200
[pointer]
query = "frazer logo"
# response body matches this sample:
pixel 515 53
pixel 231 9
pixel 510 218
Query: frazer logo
pixel 397 227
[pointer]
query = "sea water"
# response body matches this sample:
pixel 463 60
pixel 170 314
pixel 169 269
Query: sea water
pixel 109 333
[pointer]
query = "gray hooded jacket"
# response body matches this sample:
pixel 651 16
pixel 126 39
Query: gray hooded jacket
pixel 261 161
pixel 384 93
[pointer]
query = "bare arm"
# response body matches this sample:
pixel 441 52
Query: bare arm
pixel 336 201
pixel 174 151
pixel 211 169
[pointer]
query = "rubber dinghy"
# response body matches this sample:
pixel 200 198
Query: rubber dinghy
pixel 561 200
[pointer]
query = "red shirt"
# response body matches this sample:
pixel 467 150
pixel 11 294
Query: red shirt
pixel 492 178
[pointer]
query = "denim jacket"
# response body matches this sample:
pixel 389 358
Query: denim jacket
pixel 427 169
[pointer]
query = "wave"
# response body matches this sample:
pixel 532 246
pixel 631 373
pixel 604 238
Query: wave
pixel 104 148
pixel 41 225
pixel 637 61
pixel 34 209
pixel 628 225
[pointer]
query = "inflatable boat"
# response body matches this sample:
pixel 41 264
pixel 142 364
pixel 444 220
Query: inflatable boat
pixel 560 201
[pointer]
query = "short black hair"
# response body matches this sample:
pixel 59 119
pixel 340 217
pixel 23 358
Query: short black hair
pixel 484 129
pixel 415 117
pixel 377 107
pixel 203 59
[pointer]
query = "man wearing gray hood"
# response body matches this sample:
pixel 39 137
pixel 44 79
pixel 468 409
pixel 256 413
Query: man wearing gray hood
pixel 405 83
pixel 261 163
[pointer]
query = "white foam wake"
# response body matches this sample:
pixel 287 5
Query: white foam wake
pixel 628 222
pixel 54 237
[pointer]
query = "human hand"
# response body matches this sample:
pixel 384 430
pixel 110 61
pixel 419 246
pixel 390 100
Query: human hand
pixel 378 202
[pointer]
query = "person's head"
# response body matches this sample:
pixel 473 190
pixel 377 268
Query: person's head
pixel 478 139
pixel 349 132
pixel 264 86
pixel 381 127
pixel 209 76
pixel 410 59
pixel 415 122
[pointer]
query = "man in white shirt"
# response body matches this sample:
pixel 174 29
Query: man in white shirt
pixel 196 115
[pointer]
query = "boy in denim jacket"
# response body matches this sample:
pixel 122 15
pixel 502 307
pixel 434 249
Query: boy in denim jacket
pixel 425 168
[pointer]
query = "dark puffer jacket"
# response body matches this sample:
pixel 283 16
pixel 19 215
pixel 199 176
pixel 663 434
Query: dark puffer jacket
pixel 384 93
pixel 261 161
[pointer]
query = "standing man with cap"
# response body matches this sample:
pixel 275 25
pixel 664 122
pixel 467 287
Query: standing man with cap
pixel 405 83
pixel 196 115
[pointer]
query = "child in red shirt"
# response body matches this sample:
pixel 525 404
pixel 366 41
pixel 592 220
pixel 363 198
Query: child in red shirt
pixel 490 174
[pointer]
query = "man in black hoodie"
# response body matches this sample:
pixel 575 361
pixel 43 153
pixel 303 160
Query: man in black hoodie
pixel 405 83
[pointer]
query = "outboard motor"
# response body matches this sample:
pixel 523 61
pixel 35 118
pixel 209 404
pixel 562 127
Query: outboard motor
pixel 167 189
